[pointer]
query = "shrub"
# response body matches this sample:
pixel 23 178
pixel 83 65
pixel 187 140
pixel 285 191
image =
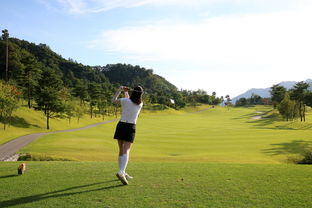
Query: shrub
pixel 30 157
pixel 307 158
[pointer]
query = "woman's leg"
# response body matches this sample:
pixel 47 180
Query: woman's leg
pixel 120 145
pixel 126 146
pixel 123 158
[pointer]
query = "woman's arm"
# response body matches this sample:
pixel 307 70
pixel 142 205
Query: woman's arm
pixel 115 97
pixel 120 89
pixel 126 92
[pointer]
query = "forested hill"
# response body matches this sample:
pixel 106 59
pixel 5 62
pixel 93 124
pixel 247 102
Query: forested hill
pixel 70 70
pixel 44 57
pixel 23 54
pixel 128 75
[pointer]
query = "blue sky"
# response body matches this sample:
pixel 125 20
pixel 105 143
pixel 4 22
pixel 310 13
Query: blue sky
pixel 226 46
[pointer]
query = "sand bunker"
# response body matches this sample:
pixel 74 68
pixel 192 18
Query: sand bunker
pixel 256 117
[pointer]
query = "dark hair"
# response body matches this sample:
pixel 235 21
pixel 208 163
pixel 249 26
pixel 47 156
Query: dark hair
pixel 136 95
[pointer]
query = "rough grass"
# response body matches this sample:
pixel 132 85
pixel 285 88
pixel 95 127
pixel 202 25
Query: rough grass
pixel 93 184
pixel 26 121
pixel 214 135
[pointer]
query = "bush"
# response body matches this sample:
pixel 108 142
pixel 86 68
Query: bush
pixel 307 158
pixel 30 157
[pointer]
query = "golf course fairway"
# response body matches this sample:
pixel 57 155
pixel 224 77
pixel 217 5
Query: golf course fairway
pixel 216 157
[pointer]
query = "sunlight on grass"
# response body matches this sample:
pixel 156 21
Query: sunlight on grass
pixel 156 184
pixel 213 135
pixel 27 121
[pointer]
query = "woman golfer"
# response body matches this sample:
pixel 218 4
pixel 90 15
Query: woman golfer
pixel 125 129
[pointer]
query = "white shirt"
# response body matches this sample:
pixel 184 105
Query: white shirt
pixel 130 110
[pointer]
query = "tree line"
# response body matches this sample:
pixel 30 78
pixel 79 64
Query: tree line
pixel 65 88
pixel 253 100
pixel 292 103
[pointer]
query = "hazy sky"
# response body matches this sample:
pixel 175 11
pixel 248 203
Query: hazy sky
pixel 226 46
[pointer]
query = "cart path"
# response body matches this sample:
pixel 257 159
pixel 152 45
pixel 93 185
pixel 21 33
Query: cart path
pixel 9 149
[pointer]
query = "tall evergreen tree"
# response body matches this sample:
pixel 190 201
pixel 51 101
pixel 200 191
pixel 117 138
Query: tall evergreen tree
pixel 48 95
pixel 81 90
pixel 308 99
pixel 94 92
pixel 298 93
pixel 5 36
pixel 277 94
pixel 29 77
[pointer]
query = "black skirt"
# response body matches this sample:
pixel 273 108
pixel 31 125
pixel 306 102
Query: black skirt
pixel 125 131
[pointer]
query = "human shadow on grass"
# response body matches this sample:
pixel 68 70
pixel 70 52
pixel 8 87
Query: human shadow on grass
pixel 55 194
pixel 18 122
pixel 293 147
pixel 9 176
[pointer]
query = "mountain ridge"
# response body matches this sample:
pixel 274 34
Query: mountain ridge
pixel 265 92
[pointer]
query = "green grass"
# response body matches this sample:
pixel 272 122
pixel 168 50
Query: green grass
pixel 216 158
pixel 214 135
pixel 93 184
pixel 27 121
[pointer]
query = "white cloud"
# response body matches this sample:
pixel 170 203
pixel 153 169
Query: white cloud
pixel 74 6
pixel 247 39
pixel 273 47
pixel 96 6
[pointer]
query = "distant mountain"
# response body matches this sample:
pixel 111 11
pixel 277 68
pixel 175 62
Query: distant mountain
pixel 265 92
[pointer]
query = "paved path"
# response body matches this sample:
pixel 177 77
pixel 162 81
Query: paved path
pixel 9 149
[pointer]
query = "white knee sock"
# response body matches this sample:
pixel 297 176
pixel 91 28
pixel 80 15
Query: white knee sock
pixel 124 163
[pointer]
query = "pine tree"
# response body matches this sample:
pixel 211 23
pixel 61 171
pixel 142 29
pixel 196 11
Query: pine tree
pixel 298 94
pixel 28 78
pixel 277 94
pixel 48 95
pixel 5 36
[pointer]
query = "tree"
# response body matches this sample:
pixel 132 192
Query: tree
pixel 12 62
pixel 228 101
pixel 241 102
pixel 298 93
pixel 255 99
pixel 5 36
pixel 69 110
pixel 28 78
pixel 48 95
pixel 102 104
pixel 308 99
pixel 8 102
pixel 81 90
pixel 287 108
pixel 79 112
pixel 94 94
pixel 277 94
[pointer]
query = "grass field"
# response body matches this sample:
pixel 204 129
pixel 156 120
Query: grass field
pixel 27 121
pixel 214 135
pixel 93 184
pixel 215 158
